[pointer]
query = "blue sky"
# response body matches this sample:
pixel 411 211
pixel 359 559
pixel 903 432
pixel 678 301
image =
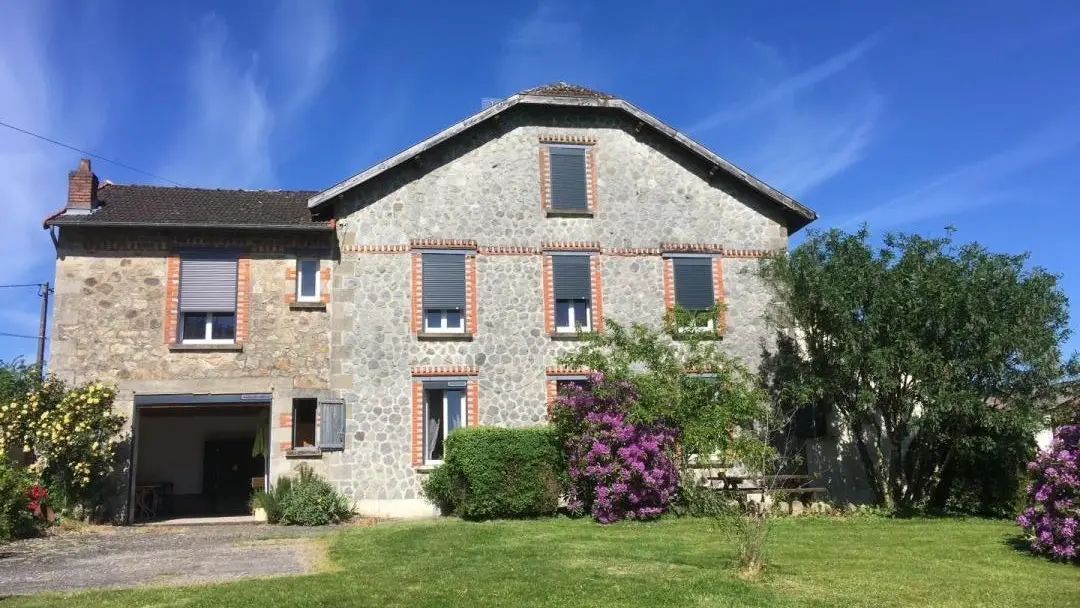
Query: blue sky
pixel 909 117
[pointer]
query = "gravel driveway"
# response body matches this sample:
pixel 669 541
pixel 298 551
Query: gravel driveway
pixel 133 556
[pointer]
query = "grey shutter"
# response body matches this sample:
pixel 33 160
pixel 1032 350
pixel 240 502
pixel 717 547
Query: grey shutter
pixel 207 284
pixel 444 280
pixel 332 424
pixel 571 276
pixel 693 283
pixel 568 178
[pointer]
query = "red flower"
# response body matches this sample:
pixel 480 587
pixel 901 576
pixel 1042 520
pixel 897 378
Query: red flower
pixel 32 506
pixel 36 492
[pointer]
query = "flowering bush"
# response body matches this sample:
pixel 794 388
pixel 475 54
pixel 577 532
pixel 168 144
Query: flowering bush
pixel 1052 519
pixel 17 503
pixel 72 436
pixel 618 469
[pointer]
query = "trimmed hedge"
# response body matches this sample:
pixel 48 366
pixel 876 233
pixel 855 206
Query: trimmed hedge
pixel 494 472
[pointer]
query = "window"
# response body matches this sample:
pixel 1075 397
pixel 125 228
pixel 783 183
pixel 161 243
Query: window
pixel 562 385
pixel 208 327
pixel 445 409
pixel 307 280
pixel 443 276
pixel 303 423
pixel 208 298
pixel 694 288
pixel 572 281
pixel 569 191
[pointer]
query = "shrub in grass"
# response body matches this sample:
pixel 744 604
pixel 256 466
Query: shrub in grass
pixel 1052 519
pixel 618 469
pixel 303 500
pixel 17 498
pixel 491 473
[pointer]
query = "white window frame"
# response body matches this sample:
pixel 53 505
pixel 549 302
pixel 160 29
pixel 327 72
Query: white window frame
pixel 208 330
pixel 571 316
pixel 709 326
pixel 464 417
pixel 300 297
pixel 442 327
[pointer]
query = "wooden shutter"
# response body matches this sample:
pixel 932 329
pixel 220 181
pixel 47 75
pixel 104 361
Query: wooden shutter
pixel 444 281
pixel 571 277
pixel 331 424
pixel 207 283
pixel 693 283
pixel 568 184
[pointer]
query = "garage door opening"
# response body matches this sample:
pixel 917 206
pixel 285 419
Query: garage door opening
pixel 198 460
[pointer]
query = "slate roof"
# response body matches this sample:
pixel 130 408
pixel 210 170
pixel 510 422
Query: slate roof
pixel 137 205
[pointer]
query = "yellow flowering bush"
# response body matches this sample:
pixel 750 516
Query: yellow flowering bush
pixel 72 437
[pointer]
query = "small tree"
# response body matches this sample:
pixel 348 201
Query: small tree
pixel 935 358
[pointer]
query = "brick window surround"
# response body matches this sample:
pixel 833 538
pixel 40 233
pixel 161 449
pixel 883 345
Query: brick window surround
pixel 172 298
pixel 596 303
pixel 416 285
pixel 590 172
pixel 291 277
pixel 718 289
pixel 551 383
pixel 472 400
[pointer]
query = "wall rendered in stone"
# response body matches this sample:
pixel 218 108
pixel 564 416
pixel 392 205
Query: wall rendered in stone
pixel 487 188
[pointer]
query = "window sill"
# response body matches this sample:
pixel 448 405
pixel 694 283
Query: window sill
pixel 425 468
pixel 569 213
pixel 188 347
pixel 703 335
pixel 565 336
pixel 302 453
pixel 307 305
pixel 444 337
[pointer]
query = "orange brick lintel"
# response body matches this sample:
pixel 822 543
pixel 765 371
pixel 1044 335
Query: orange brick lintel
pixel 442 244
pixel 691 248
pixel 556 138
pixel 444 370
pixel 566 371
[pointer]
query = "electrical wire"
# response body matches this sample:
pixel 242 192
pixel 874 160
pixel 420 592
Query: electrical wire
pixel 91 154
pixel 7 335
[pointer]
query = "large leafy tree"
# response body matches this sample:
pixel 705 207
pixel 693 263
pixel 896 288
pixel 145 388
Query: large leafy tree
pixel 935 357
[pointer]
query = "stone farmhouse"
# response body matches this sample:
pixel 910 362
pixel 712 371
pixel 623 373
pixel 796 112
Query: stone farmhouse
pixel 352 328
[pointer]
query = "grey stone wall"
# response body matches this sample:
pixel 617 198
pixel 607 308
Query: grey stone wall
pixel 486 187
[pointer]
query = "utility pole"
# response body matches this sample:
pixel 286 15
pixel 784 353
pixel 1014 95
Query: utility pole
pixel 43 292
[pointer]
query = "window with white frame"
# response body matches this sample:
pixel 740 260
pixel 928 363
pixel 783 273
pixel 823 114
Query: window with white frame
pixel 568 178
pixel 307 280
pixel 443 285
pixel 207 299
pixel 694 289
pixel 572 282
pixel 445 409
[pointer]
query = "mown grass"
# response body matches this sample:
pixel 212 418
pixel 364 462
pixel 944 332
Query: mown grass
pixel 560 562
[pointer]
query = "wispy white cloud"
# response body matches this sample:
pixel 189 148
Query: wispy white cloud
pixel 984 182
pixel 786 89
pixel 239 101
pixel 802 149
pixel 547 46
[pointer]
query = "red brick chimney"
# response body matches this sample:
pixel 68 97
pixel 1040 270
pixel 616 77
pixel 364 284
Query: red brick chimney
pixel 82 188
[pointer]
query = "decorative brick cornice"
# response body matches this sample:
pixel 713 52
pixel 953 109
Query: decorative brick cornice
pixel 630 251
pixel 566 138
pixel 466 245
pixel 570 246
pixel 374 248
pixel 750 253
pixel 691 248
pixel 442 244
pixel 427 371
pixel 507 250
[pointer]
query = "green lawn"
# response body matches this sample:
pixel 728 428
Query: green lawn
pixel 560 562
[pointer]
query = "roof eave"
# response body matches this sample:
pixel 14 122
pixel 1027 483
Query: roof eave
pixel 327 227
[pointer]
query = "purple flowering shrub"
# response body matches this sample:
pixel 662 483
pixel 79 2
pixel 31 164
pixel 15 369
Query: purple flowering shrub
pixel 1052 521
pixel 618 469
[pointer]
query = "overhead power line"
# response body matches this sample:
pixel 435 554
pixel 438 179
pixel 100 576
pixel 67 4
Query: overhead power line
pixel 91 154
pixel 7 335
pixel 24 285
